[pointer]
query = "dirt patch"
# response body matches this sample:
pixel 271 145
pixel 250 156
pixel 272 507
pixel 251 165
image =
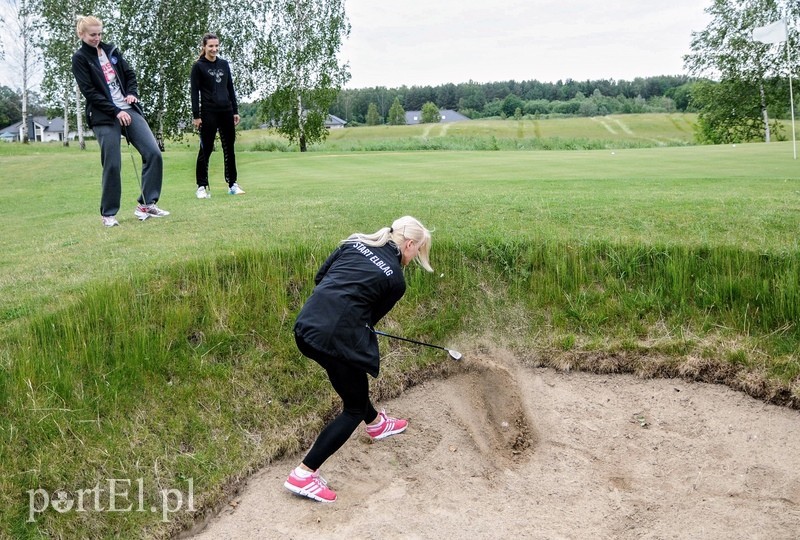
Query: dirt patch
pixel 506 449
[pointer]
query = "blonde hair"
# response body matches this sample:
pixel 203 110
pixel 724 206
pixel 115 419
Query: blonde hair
pixel 404 228
pixel 85 22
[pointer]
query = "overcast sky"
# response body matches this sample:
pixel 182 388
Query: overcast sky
pixel 431 42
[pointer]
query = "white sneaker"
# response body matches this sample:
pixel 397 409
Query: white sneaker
pixel 203 192
pixel 110 221
pixel 144 211
pixel 235 190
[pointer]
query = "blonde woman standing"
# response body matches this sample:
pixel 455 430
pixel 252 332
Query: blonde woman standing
pixel 113 110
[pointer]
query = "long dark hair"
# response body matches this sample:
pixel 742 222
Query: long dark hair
pixel 206 37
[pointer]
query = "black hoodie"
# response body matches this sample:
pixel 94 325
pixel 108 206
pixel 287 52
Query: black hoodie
pixel 211 87
pixel 100 107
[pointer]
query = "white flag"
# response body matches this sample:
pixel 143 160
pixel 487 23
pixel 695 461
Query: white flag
pixel 771 33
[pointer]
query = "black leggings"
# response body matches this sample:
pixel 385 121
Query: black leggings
pixel 212 123
pixel 353 387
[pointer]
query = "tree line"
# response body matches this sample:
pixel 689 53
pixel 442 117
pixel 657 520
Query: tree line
pixel 505 99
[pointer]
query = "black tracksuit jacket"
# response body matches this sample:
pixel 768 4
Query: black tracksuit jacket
pixel 100 108
pixel 355 287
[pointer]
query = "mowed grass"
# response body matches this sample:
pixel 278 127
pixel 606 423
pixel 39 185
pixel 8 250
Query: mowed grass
pixel 744 196
pixel 162 350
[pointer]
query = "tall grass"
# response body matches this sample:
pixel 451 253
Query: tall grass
pixel 609 132
pixel 190 372
pixel 601 289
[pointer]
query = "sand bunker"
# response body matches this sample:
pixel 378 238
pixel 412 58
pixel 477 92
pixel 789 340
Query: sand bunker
pixel 505 450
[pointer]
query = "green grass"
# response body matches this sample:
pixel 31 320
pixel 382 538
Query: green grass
pixel 162 350
pixel 607 132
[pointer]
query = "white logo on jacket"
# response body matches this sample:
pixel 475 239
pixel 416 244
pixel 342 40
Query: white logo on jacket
pixel 217 74
pixel 374 259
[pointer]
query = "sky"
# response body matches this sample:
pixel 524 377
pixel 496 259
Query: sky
pixel 432 42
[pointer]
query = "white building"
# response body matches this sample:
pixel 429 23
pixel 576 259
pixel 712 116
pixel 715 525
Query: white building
pixel 40 129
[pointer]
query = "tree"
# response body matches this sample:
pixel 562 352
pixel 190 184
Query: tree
pixel 373 118
pixel 446 96
pixel 301 59
pixel 681 95
pixel 22 20
pixel 430 113
pixel 473 96
pixel 10 106
pixel 417 96
pixel 58 42
pixel 726 51
pixel 729 111
pixel 397 116
pixel 160 39
pixel 2 48
pixel 511 103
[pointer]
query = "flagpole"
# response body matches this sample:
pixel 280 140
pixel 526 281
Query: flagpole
pixel 778 32
pixel 791 94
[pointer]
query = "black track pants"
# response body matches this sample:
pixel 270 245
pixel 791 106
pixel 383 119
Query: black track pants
pixel 214 122
pixel 352 386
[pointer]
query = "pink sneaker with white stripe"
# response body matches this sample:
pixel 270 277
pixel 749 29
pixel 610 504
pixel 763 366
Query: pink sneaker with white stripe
pixel 386 426
pixel 314 487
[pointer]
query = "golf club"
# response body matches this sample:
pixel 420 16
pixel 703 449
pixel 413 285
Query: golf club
pixel 135 170
pixel 455 355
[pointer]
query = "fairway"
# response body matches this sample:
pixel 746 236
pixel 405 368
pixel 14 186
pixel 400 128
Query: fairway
pixel 745 196
pixel 163 350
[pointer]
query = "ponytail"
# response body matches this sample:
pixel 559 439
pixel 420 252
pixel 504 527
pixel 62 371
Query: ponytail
pixel 404 228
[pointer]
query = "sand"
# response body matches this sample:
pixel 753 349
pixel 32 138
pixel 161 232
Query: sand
pixel 505 450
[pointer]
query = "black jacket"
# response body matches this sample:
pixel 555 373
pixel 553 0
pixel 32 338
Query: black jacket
pixel 211 87
pixel 356 286
pixel 100 108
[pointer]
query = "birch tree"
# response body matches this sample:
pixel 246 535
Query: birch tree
pixel 23 23
pixel 305 74
pixel 397 115
pixel 160 39
pixel 58 42
pixel 2 47
pixel 725 51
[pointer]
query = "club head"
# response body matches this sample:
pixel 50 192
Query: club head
pixel 455 355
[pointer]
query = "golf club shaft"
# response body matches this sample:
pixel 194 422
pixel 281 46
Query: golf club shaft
pixel 378 332
pixel 135 170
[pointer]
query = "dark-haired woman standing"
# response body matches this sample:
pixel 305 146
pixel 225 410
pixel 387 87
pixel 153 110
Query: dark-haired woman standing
pixel 214 109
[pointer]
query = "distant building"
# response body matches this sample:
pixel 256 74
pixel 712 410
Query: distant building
pixel 334 122
pixel 331 122
pixel 445 115
pixel 40 129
